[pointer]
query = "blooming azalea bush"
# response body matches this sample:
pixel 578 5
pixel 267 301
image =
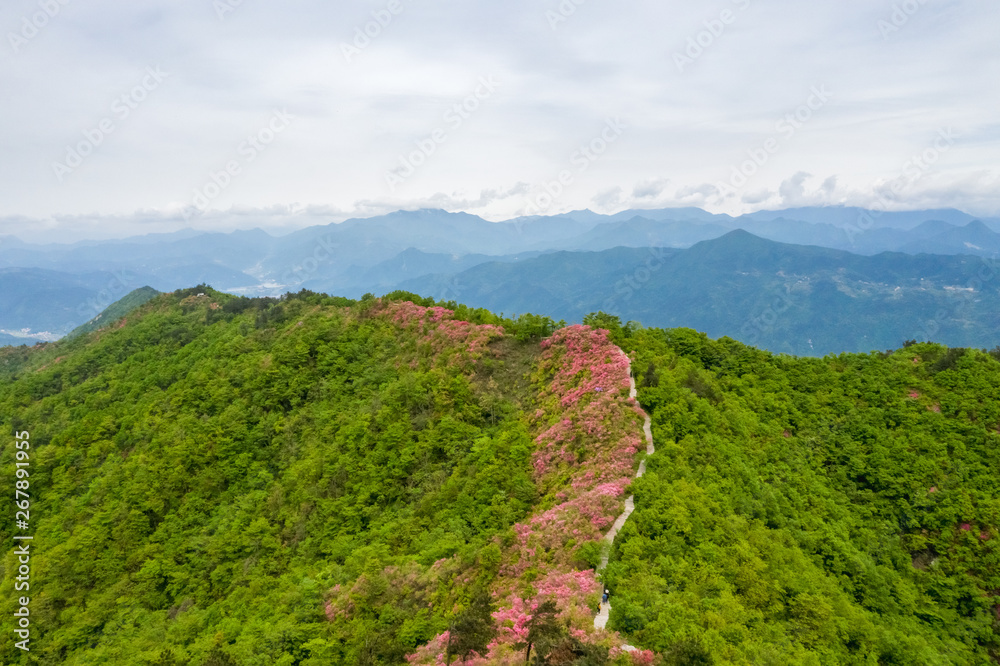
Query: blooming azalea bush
pixel 554 537
pixel 589 432
pixel 440 334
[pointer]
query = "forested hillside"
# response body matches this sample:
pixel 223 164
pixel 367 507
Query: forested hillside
pixel 117 310
pixel 313 480
pixel 813 511
pixel 222 480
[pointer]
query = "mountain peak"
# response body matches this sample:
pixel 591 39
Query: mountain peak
pixel 735 245
pixel 979 227
pixel 740 236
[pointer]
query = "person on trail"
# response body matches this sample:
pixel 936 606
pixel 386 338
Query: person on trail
pixel 604 599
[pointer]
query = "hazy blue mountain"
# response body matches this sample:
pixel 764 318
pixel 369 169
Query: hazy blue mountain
pixel 643 232
pixel 795 299
pixel 846 216
pixel 838 228
pixel 179 276
pixel 40 301
pixel 407 265
pixel 10 340
pixel 246 259
pixel 8 242
pixel 930 228
pixel 585 218
pixel 165 264
pixel 362 255
pixel 796 232
pixel 674 214
pixel 149 239
pixel 549 232
pixel 931 237
pixel 559 284
pixel 973 238
pixel 331 254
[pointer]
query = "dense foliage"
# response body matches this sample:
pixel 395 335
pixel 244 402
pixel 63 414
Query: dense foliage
pixel 315 480
pixel 117 310
pixel 813 511
pixel 202 477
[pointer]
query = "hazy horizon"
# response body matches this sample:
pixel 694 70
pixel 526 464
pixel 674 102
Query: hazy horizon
pixel 278 223
pixel 236 108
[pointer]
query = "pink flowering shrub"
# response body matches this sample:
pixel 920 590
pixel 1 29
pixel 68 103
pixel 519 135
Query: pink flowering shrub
pixel 554 536
pixel 570 590
pixel 588 435
pixel 585 362
pixel 592 432
pixel 440 335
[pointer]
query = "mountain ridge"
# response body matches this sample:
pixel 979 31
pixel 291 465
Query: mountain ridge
pixel 792 299
pixel 370 255
pixel 396 480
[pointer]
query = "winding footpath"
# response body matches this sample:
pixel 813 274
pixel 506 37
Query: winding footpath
pixel 601 621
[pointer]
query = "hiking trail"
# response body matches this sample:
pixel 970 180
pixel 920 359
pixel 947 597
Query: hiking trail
pixel 601 621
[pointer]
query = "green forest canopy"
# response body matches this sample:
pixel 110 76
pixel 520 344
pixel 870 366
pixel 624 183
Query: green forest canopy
pixel 204 475
pixel 813 511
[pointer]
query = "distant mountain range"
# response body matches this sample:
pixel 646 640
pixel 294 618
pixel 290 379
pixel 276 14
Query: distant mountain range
pixel 117 310
pixel 444 254
pixel 39 305
pixel 799 300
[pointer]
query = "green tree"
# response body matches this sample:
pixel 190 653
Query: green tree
pixel 651 379
pixel 544 631
pixel 218 657
pixel 473 628
pixel 167 658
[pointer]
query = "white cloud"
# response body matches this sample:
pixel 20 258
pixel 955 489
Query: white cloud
pixel 793 189
pixel 608 200
pixel 685 130
pixel 650 189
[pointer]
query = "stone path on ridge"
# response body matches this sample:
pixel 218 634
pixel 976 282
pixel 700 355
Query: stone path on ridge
pixel 601 621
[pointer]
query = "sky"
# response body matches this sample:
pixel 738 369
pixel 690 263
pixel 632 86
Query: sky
pixel 127 118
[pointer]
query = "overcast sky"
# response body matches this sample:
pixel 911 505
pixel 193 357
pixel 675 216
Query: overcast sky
pixel 670 100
